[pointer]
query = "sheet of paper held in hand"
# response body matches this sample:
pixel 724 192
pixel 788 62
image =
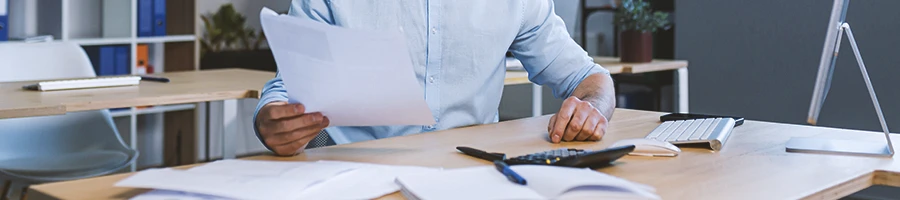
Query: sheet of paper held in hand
pixel 354 77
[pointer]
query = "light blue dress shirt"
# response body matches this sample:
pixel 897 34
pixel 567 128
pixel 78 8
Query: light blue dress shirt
pixel 458 49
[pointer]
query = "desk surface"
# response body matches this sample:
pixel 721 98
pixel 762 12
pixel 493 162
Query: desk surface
pixel 206 85
pixel 753 164
pixel 185 87
pixel 610 63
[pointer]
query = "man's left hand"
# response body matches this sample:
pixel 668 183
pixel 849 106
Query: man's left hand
pixel 577 120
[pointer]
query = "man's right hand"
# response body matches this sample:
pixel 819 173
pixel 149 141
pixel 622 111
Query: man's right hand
pixel 286 128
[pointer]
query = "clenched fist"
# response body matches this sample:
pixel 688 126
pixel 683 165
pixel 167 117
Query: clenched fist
pixel 286 128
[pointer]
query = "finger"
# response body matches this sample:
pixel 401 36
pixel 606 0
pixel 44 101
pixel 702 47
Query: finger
pixel 292 147
pixel 562 119
pixel 589 126
pixel 280 111
pixel 552 123
pixel 600 130
pixel 291 135
pixel 582 111
pixel 291 124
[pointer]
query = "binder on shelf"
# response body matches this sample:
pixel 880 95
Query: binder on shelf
pixel 145 18
pixel 122 64
pixel 4 21
pixel 102 57
pixel 143 64
pixel 159 17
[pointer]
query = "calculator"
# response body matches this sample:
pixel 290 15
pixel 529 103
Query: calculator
pixel 566 157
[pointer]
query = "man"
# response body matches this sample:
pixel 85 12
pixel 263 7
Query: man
pixel 458 49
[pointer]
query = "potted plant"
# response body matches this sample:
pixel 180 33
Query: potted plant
pixel 229 43
pixel 637 24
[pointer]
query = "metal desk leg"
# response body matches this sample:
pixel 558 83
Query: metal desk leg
pixel 231 126
pixel 682 93
pixel 536 100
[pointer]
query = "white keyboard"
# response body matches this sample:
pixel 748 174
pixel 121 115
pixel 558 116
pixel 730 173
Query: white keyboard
pixel 82 83
pixel 711 131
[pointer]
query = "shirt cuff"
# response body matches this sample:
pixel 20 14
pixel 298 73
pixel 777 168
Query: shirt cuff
pixel 262 102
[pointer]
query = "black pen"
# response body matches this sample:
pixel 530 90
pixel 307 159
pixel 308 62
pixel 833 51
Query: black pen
pixel 509 173
pixel 156 79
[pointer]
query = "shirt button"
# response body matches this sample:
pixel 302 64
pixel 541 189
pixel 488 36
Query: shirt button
pixel 433 31
pixel 431 79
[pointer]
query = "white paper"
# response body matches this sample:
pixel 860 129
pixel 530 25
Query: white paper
pixel 552 182
pixel 543 182
pixel 238 179
pixel 175 195
pixel 282 180
pixel 354 77
pixel 465 183
pixel 368 181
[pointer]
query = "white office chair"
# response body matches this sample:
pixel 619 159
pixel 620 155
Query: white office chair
pixel 55 148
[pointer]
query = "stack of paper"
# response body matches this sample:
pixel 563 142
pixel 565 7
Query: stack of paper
pixel 543 182
pixel 245 179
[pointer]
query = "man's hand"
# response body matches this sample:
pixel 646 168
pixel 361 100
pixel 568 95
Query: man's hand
pixel 577 120
pixel 286 128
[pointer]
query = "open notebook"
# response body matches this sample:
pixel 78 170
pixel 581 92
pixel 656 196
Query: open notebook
pixel 544 182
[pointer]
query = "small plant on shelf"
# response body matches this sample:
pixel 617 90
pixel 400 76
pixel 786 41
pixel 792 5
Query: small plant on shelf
pixel 637 23
pixel 226 29
pixel 229 42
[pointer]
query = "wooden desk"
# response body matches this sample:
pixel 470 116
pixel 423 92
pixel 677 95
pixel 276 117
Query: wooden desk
pixel 612 64
pixel 752 165
pixel 185 87
pixel 221 87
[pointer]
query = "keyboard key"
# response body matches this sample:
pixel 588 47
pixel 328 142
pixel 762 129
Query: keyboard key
pixel 691 130
pixel 702 129
pixel 712 128
pixel 669 131
pixel 659 130
pixel 680 130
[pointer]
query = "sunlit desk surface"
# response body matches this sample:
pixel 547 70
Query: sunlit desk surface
pixel 185 87
pixel 752 165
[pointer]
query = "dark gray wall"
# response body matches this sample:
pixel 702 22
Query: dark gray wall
pixel 758 59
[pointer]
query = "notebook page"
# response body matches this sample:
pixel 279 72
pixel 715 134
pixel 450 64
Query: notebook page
pixel 552 182
pixel 466 183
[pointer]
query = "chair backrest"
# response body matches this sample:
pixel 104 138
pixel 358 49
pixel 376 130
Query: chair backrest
pixel 45 135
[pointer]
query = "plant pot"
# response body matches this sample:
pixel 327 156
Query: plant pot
pixel 636 47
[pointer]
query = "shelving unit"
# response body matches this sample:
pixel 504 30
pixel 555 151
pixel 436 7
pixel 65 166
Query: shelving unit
pixel 82 22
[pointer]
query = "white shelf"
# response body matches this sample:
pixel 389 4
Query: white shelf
pixel 126 40
pixel 170 38
pixel 152 110
pixel 100 41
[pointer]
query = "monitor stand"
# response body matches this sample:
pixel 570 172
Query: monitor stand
pixel 848 147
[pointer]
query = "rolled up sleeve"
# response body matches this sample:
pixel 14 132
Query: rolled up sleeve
pixel 547 51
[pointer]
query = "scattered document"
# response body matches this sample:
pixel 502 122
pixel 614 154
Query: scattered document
pixel 249 179
pixel 239 181
pixel 368 181
pixel 354 77
pixel 543 182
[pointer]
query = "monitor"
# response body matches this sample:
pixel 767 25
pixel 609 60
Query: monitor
pixel 829 57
